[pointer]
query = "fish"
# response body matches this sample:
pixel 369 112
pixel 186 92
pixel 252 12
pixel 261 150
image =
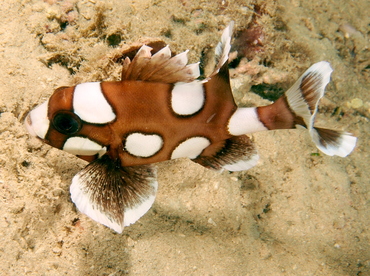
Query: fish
pixel 162 110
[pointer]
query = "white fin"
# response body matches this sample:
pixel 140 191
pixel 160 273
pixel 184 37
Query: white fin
pixel 303 99
pixel 238 153
pixel 332 142
pixel 304 96
pixel 223 48
pixel 243 164
pixel 160 67
pixel 114 196
pixel 163 54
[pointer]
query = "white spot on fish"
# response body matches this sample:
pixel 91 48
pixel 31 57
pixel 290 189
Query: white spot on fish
pixel 187 98
pixel 90 104
pixel 83 146
pixel 191 148
pixel 143 145
pixel 245 120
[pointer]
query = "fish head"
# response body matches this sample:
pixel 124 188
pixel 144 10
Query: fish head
pixel 57 123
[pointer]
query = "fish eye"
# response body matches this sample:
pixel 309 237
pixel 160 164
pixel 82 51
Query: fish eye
pixel 66 122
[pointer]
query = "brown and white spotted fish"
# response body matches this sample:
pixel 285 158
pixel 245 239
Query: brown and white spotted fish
pixel 161 111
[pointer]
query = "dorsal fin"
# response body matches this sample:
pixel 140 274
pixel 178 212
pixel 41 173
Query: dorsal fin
pixel 222 49
pixel 160 67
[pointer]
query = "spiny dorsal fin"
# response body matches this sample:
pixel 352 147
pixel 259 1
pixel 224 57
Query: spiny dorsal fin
pixel 160 67
pixel 112 195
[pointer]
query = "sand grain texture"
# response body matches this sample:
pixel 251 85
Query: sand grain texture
pixel 295 213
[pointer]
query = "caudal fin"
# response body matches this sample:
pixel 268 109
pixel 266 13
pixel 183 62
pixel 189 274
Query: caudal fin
pixel 303 99
pixel 333 142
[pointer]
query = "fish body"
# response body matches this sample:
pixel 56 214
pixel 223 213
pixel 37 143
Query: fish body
pixel 146 128
pixel 161 111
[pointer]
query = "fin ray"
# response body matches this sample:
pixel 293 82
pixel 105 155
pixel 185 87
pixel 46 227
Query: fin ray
pixel 237 154
pixel 303 99
pixel 333 142
pixel 304 96
pixel 112 195
pixel 160 67
pixel 223 48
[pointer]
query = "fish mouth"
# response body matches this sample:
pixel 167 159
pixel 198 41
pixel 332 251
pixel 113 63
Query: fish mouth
pixel 28 125
pixel 31 131
pixel 37 122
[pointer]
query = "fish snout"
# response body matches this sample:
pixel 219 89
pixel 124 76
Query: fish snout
pixel 28 125
pixel 37 122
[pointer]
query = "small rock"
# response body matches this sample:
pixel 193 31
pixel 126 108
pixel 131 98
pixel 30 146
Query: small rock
pixel 355 103
pixel 57 250
pixel 130 242
pixel 211 221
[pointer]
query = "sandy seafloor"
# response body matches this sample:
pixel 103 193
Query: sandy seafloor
pixel 295 213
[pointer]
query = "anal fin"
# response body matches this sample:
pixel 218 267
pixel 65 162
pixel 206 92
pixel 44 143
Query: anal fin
pixel 112 195
pixel 237 154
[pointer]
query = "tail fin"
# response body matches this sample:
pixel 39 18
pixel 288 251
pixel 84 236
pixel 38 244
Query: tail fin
pixel 303 99
pixel 298 107
pixel 333 142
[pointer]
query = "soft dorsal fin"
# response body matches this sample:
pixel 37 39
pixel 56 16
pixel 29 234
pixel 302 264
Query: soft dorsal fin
pixel 160 67
pixel 223 48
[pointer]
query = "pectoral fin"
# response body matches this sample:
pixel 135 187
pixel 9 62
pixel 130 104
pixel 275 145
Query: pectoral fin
pixel 112 195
